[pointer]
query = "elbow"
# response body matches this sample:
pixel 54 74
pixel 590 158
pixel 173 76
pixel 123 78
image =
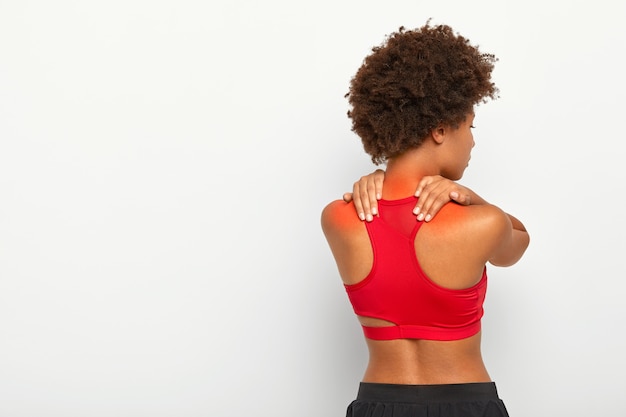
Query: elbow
pixel 517 248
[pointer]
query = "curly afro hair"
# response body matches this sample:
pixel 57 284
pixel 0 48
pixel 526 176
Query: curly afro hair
pixel 412 83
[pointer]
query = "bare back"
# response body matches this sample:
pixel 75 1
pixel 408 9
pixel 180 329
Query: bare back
pixel 458 264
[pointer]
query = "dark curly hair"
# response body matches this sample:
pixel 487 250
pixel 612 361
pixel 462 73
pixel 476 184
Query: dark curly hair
pixel 412 83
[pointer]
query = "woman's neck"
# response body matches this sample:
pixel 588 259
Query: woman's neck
pixel 404 173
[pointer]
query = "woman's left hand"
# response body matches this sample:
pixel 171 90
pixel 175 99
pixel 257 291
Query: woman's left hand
pixel 366 192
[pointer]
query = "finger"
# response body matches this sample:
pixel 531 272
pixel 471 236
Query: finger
pixel 424 188
pixel 460 198
pixel 437 198
pixel 372 197
pixel 424 182
pixel 364 196
pixel 432 198
pixel 436 205
pixel 356 200
pixel 422 194
pixel 379 178
pixel 347 197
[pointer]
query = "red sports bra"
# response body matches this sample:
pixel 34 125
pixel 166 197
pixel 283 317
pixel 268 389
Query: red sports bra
pixel 398 291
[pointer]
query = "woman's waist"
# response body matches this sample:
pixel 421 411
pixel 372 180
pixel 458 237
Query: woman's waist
pixel 426 375
pixel 407 361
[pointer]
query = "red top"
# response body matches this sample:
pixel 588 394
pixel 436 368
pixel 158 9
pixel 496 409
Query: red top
pixel 397 290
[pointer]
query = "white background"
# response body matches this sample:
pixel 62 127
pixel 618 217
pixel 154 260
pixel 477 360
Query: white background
pixel 163 166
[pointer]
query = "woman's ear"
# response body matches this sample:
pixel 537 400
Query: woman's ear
pixel 438 134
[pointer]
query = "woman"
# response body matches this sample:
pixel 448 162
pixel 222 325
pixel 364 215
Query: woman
pixel 418 287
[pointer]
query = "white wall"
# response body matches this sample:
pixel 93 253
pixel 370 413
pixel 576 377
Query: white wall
pixel 163 165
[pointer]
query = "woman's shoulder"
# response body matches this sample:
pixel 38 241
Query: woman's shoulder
pixel 453 212
pixel 340 216
pixel 476 230
pixel 485 220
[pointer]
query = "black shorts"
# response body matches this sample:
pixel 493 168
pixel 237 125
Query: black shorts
pixel 449 400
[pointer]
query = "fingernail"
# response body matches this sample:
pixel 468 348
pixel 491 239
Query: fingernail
pixel 378 196
pixel 416 211
pixel 375 211
pixel 428 217
pixel 369 218
pixel 454 194
pixel 361 216
pixel 420 217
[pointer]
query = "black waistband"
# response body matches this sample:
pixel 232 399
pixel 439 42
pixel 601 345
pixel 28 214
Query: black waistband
pixel 418 393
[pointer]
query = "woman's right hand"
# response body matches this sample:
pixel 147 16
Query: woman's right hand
pixel 435 191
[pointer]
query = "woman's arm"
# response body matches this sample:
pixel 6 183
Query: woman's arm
pixel 513 245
